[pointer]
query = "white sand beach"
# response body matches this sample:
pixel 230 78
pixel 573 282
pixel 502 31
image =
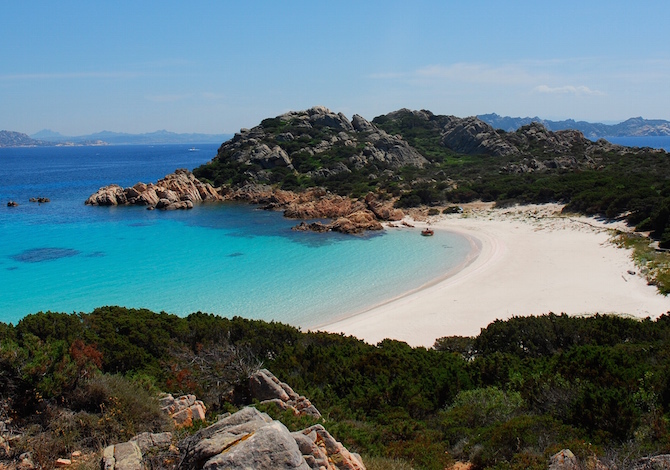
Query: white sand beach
pixel 532 260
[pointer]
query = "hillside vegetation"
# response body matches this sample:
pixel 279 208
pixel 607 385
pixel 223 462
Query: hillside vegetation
pixel 418 158
pixel 509 398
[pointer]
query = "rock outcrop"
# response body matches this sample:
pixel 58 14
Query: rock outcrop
pixel 267 388
pixel 184 411
pixel 286 140
pixel 564 460
pixel 130 455
pixel 531 148
pixel 472 136
pixel 347 215
pixel 245 439
pixel 178 190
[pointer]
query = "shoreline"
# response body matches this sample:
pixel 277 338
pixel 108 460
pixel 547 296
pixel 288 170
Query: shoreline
pixel 532 261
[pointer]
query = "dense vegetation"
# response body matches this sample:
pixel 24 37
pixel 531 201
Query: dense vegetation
pixel 314 168
pixel 520 391
pixel 635 185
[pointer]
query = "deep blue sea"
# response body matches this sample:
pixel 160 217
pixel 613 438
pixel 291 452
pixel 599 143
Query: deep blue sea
pixel 228 259
pixel 658 142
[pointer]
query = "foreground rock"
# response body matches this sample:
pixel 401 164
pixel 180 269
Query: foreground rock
pixel 184 411
pixel 566 460
pixel 131 455
pixel 243 440
pixel 267 388
pixel 179 190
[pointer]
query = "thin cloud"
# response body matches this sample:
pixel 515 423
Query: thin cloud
pixel 509 74
pixel 477 73
pixel 567 90
pixel 524 73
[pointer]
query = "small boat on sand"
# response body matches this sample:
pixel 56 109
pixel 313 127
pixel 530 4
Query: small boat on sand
pixel 427 232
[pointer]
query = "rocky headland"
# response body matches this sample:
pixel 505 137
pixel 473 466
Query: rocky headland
pixel 317 164
pixel 290 139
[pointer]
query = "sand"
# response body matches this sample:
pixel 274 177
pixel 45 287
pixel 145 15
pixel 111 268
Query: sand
pixel 530 260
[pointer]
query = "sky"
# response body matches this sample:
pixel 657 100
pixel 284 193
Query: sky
pixel 78 67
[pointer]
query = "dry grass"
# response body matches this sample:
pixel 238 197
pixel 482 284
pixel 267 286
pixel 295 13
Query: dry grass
pixel 385 463
pixel 653 264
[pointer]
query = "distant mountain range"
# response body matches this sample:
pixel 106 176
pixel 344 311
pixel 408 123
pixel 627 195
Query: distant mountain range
pixel 48 138
pixel 632 127
pixel 592 130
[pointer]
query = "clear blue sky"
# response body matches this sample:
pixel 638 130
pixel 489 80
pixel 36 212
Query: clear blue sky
pixel 78 67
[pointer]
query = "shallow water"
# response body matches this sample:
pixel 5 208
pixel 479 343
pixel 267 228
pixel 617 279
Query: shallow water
pixel 228 259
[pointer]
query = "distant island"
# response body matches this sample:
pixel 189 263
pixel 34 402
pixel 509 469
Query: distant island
pixel 48 138
pixel 633 127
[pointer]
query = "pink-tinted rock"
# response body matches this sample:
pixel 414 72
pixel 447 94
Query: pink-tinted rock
pixel 178 190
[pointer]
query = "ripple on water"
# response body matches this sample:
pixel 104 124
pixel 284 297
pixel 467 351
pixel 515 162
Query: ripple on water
pixel 38 255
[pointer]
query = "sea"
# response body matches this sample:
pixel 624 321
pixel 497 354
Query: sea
pixel 228 259
pixel 658 142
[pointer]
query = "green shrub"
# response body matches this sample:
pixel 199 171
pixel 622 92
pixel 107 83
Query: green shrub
pixel 482 407
pixel 123 407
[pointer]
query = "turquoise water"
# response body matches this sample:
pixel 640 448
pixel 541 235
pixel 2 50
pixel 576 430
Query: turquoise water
pixel 228 259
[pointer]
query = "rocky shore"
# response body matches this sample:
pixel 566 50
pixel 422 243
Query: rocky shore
pixel 347 215
pixel 179 190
